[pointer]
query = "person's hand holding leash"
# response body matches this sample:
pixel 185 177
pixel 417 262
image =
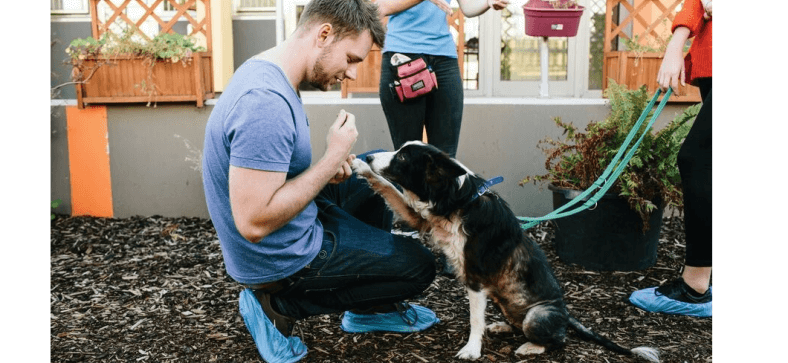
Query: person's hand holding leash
pixel 672 69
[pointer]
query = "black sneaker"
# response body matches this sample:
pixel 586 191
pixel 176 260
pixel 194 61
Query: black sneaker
pixel 282 323
pixel 679 290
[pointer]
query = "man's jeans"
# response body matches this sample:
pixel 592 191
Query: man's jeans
pixel 361 264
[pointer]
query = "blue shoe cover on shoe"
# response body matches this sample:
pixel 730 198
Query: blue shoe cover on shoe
pixel 416 318
pixel 271 344
pixel 649 300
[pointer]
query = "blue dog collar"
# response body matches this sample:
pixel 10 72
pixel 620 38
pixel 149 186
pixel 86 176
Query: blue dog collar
pixel 486 186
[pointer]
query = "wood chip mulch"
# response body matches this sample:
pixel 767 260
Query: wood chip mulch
pixel 154 289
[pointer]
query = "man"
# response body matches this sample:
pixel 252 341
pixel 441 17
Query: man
pixel 306 239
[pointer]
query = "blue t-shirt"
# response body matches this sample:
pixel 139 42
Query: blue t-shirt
pixel 421 29
pixel 259 123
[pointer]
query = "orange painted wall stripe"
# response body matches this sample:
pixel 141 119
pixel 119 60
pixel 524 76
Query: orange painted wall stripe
pixel 88 155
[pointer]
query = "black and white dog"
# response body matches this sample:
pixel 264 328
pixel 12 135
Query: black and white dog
pixel 452 209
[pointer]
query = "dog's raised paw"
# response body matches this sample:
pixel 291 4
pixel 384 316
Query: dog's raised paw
pixel 470 351
pixel 529 348
pixel 360 167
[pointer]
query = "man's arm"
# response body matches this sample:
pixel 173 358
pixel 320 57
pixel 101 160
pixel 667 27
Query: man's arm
pixel 264 201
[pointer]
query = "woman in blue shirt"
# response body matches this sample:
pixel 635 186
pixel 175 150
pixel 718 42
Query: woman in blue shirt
pixel 418 29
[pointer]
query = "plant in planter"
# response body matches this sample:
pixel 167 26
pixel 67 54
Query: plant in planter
pixel 144 70
pixel 648 184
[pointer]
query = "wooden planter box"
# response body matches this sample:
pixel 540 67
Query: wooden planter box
pixel 636 69
pixel 125 79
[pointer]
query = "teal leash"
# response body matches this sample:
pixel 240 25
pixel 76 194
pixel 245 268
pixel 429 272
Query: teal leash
pixel 613 170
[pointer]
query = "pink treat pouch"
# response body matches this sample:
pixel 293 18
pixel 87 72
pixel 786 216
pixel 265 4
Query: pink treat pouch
pixel 415 80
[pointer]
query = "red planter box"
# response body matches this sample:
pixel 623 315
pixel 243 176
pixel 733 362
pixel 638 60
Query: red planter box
pixel 543 20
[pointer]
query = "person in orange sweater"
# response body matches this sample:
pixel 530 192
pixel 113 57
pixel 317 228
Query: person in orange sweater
pixel 690 294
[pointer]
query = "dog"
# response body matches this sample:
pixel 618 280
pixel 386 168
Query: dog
pixel 453 210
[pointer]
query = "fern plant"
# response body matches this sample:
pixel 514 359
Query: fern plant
pixel 650 179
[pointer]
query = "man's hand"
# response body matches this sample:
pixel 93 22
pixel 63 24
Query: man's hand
pixel 344 171
pixel 341 136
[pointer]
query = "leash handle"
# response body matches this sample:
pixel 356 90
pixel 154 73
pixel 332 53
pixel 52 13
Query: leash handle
pixel 612 171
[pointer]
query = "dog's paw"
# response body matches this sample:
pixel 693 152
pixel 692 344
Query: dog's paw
pixel 471 351
pixel 500 327
pixel 360 167
pixel 529 348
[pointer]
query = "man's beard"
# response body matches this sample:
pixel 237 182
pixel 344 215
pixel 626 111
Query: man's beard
pixel 321 79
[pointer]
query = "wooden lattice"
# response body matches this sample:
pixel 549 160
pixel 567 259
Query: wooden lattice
pixel 202 26
pixel 129 79
pixel 648 24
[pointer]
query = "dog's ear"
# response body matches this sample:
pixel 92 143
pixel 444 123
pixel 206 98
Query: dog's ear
pixel 441 168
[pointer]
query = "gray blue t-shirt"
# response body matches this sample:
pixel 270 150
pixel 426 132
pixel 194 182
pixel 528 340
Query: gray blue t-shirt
pixel 420 29
pixel 259 123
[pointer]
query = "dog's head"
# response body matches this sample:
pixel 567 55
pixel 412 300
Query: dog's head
pixel 430 174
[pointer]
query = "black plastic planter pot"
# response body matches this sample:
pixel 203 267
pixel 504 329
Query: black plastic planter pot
pixel 605 238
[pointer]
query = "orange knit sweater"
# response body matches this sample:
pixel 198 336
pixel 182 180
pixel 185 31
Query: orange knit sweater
pixel 698 61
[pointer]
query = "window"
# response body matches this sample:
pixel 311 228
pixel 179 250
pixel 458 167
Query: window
pixel 596 42
pixel 67 7
pixel 517 59
pixel 255 6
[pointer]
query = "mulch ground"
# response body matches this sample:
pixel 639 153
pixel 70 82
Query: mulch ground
pixel 153 289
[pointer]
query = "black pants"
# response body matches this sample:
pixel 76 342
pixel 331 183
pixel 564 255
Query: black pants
pixel 694 161
pixel 439 112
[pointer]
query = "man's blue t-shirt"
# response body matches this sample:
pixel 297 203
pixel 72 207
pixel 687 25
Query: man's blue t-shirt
pixel 420 29
pixel 259 123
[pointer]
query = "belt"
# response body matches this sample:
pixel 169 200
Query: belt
pixel 270 287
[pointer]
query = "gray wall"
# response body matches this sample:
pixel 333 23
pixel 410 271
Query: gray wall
pixel 155 159
pixel 250 37
pixel 59 178
pixel 62 33
pixel 154 152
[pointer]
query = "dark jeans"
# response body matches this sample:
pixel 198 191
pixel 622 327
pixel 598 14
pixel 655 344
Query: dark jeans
pixel 694 161
pixel 361 264
pixel 440 111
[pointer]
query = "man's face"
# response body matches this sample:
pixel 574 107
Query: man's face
pixel 339 60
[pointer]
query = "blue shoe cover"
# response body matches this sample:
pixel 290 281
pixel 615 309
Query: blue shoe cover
pixel 649 300
pixel 271 344
pixel 415 318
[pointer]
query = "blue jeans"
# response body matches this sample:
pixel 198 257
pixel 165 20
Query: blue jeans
pixel 439 112
pixel 361 264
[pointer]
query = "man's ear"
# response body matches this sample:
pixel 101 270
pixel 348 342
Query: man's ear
pixel 324 34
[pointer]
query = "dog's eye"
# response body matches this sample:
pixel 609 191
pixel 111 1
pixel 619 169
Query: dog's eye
pixel 400 157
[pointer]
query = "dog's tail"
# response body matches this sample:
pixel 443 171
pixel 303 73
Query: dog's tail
pixel 647 353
